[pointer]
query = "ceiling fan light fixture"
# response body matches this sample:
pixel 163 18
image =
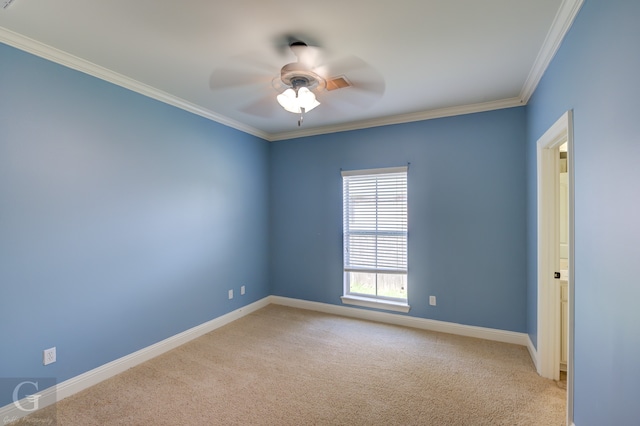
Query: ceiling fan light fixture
pixel 288 101
pixel 307 99
pixel 295 102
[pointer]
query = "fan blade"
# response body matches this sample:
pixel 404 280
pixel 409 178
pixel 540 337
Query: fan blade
pixel 228 78
pixel 309 56
pixel 366 84
pixel 265 107
pixel 244 70
pixel 348 98
pixel 360 97
pixel 342 66
pixel 372 88
pixel 254 60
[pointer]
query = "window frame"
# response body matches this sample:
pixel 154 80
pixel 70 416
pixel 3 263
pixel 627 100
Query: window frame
pixel 400 268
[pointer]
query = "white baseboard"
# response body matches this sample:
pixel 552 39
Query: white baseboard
pixel 11 412
pixel 407 321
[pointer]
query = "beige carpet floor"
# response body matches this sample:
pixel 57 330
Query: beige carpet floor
pixel 285 366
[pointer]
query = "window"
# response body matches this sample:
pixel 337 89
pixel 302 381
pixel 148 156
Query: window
pixel 375 238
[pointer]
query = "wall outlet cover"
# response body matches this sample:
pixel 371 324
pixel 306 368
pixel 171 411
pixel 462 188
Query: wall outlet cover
pixel 49 356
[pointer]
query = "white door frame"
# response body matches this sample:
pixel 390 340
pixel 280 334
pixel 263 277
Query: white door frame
pixel 548 342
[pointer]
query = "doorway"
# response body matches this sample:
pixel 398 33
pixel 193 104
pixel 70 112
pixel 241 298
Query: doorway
pixel 550 251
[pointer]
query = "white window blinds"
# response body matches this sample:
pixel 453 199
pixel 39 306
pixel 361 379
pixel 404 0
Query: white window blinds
pixel 375 220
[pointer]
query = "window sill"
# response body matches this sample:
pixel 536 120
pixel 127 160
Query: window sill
pixel 376 303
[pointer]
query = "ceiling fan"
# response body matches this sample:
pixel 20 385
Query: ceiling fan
pixel 306 83
pixel 300 80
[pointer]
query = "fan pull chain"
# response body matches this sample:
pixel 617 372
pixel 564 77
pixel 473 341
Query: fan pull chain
pixel 301 117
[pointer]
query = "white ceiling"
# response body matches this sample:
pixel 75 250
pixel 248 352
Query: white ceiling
pixel 435 57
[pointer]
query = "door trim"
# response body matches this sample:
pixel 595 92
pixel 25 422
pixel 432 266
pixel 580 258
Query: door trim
pixel 548 342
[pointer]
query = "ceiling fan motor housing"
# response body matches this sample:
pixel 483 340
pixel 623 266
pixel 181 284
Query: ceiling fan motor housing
pixel 296 75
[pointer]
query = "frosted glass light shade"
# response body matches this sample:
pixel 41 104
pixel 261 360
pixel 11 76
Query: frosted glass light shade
pixel 292 103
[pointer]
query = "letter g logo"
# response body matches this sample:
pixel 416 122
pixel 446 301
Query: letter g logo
pixel 31 398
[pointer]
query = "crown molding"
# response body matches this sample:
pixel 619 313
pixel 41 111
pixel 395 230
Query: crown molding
pixel 70 61
pixel 403 118
pixel 561 24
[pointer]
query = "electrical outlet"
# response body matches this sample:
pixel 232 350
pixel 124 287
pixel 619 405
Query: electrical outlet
pixel 432 300
pixel 49 356
pixel 242 291
pixel 230 294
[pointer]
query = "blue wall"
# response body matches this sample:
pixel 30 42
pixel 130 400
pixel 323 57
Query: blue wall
pixel 123 220
pixel 466 214
pixel 596 73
